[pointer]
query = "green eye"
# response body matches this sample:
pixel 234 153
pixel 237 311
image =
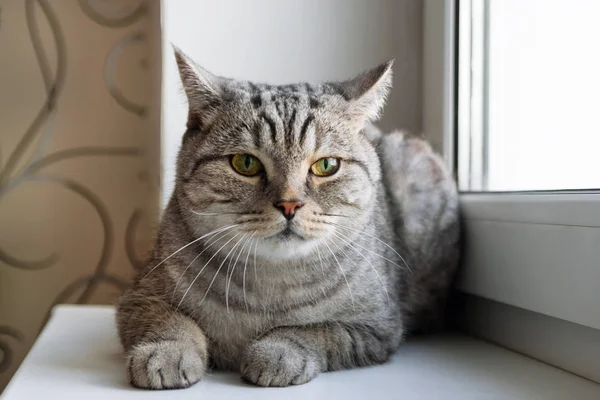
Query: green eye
pixel 325 166
pixel 246 164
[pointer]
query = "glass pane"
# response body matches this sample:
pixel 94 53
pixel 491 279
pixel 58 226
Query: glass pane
pixel 529 95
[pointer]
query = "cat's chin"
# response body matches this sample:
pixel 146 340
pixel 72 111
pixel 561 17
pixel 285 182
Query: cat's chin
pixel 286 247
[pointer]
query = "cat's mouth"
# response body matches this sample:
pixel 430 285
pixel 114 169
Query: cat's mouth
pixel 287 234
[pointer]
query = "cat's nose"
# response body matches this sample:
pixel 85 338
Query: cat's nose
pixel 288 208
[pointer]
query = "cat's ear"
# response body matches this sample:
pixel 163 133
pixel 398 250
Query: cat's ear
pixel 203 90
pixel 366 93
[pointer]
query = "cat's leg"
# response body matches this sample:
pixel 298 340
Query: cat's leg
pixel 425 201
pixel 164 348
pixel 294 355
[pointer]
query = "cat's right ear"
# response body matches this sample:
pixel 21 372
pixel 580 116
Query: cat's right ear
pixel 203 91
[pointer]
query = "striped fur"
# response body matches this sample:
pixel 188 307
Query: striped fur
pixel 232 284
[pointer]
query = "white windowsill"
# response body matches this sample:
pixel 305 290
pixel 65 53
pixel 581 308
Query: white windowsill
pixel 536 251
pixel 78 356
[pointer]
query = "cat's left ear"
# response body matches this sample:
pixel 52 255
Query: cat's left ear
pixel 366 93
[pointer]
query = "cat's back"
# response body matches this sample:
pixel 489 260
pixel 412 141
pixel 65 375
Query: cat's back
pixel 423 197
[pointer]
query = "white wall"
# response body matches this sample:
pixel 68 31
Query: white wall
pixel 283 41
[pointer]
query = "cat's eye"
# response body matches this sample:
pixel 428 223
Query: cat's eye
pixel 325 166
pixel 246 164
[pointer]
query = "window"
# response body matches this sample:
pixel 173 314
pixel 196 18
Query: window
pixel 529 95
pixel 511 92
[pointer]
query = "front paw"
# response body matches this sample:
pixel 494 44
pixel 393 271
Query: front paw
pixel 167 364
pixel 273 361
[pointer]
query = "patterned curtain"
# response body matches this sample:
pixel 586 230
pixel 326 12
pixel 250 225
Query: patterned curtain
pixel 79 156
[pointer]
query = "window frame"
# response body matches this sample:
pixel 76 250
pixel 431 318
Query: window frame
pixel 530 252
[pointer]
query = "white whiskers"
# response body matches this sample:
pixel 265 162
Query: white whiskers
pixel 379 240
pixel 255 247
pixel 205 214
pixel 349 244
pixel 379 255
pixel 228 281
pixel 189 244
pixel 219 269
pixel 207 246
pixel 202 269
pixel 244 274
pixel 343 274
pixel 320 259
pixel 202 214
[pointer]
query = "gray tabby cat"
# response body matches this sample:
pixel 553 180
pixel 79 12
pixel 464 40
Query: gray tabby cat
pixel 298 239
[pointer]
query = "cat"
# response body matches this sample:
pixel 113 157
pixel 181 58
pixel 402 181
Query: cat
pixel 299 239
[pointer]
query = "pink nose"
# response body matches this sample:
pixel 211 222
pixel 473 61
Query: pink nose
pixel 288 208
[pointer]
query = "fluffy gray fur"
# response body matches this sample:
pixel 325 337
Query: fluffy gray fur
pixel 233 284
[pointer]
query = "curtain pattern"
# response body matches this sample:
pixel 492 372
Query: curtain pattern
pixel 79 156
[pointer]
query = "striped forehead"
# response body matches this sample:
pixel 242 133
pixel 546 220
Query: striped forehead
pixel 285 118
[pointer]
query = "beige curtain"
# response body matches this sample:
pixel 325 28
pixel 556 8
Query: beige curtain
pixel 79 156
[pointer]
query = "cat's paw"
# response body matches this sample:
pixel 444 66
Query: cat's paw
pixel 272 361
pixel 167 364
